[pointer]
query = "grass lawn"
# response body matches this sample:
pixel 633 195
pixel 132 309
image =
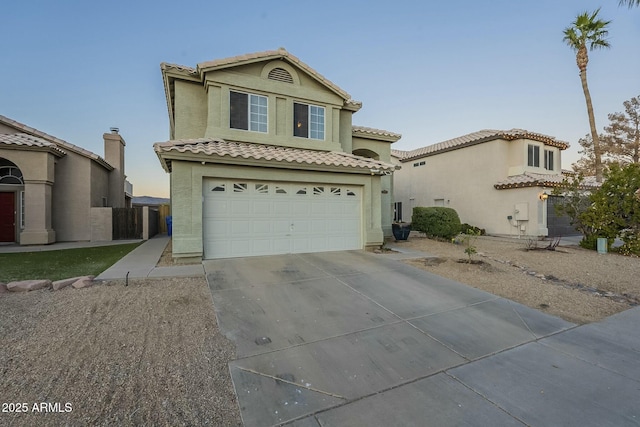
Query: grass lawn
pixel 62 264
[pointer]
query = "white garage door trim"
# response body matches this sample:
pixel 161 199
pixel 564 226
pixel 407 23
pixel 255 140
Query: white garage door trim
pixel 251 218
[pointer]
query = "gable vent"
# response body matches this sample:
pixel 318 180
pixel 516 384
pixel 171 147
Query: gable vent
pixel 281 75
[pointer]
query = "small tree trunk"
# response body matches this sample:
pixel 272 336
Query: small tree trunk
pixel 592 125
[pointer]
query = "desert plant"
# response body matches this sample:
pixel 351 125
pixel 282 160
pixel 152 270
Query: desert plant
pixel 436 222
pixel 469 238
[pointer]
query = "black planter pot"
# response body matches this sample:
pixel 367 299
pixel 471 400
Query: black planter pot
pixel 401 231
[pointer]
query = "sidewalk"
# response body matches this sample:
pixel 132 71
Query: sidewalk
pixel 141 263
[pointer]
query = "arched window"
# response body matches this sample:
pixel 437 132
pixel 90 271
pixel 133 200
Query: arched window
pixel 10 173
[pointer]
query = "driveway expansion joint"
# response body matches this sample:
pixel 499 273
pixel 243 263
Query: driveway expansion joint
pixel 275 378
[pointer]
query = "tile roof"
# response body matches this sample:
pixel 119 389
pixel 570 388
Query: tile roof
pixel 530 179
pixel 243 150
pixel 379 133
pixel 180 68
pixel 26 140
pixel 477 138
pixel 61 144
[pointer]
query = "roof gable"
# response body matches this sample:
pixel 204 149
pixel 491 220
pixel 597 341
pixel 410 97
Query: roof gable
pixel 268 56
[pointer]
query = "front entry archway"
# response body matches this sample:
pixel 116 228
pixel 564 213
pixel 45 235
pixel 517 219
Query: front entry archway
pixel 11 186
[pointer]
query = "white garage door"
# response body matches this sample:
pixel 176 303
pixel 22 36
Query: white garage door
pixel 247 218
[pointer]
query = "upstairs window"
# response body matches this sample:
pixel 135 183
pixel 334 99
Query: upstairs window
pixel 308 121
pixel 548 160
pixel 533 156
pixel 248 112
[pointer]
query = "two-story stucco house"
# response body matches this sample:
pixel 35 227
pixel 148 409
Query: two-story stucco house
pixel 499 180
pixel 264 159
pixel 48 186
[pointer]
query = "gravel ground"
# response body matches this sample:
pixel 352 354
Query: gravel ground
pixel 146 354
pixel 579 285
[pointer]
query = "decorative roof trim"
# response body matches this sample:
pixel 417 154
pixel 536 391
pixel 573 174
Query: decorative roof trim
pixel 24 140
pixel 64 144
pixel 383 135
pixel 232 150
pixel 480 137
pixel 529 179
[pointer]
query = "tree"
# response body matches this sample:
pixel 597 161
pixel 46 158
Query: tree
pixel 622 136
pixel 588 33
pixel 629 3
pixel 586 165
pixel 615 208
pixel 612 210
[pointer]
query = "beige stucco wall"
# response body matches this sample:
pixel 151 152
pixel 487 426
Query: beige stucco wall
pixel 99 185
pixel 71 201
pixel 186 198
pixel 190 110
pixel 101 224
pixel 464 180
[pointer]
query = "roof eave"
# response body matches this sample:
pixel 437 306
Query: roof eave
pixel 48 149
pixel 166 157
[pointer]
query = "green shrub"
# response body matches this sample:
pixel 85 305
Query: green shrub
pixel 590 241
pixel 472 229
pixel 436 222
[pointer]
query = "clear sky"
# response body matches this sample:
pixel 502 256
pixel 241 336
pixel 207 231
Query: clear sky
pixel 428 70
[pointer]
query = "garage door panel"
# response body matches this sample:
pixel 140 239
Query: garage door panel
pixel 262 226
pixel 241 207
pixel 239 226
pixel 245 218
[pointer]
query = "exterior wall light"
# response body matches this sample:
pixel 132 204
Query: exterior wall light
pixel 543 196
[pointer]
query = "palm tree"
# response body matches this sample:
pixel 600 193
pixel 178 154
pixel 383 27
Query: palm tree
pixel 588 32
pixel 629 3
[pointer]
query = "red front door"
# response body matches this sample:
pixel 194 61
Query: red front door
pixel 7 217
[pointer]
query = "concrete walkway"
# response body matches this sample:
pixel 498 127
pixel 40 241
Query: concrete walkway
pixel 15 248
pixel 141 263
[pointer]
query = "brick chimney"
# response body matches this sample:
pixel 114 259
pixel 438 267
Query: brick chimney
pixel 114 155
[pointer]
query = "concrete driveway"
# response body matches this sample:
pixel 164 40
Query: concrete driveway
pixel 353 338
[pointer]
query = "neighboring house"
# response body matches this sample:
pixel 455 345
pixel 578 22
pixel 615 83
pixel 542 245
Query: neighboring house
pixel 48 186
pixel 264 159
pixel 499 180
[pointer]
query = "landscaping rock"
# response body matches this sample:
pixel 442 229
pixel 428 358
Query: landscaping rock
pixel 3 288
pixel 59 284
pixel 28 285
pixel 83 282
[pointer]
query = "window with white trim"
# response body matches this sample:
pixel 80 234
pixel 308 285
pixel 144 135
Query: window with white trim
pixel 533 156
pixel 248 112
pixel 548 160
pixel 308 121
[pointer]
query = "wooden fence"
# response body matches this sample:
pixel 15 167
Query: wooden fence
pixel 164 211
pixel 127 223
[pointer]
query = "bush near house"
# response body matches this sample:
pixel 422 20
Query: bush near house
pixel 436 222
pixel 472 229
pixel 611 211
